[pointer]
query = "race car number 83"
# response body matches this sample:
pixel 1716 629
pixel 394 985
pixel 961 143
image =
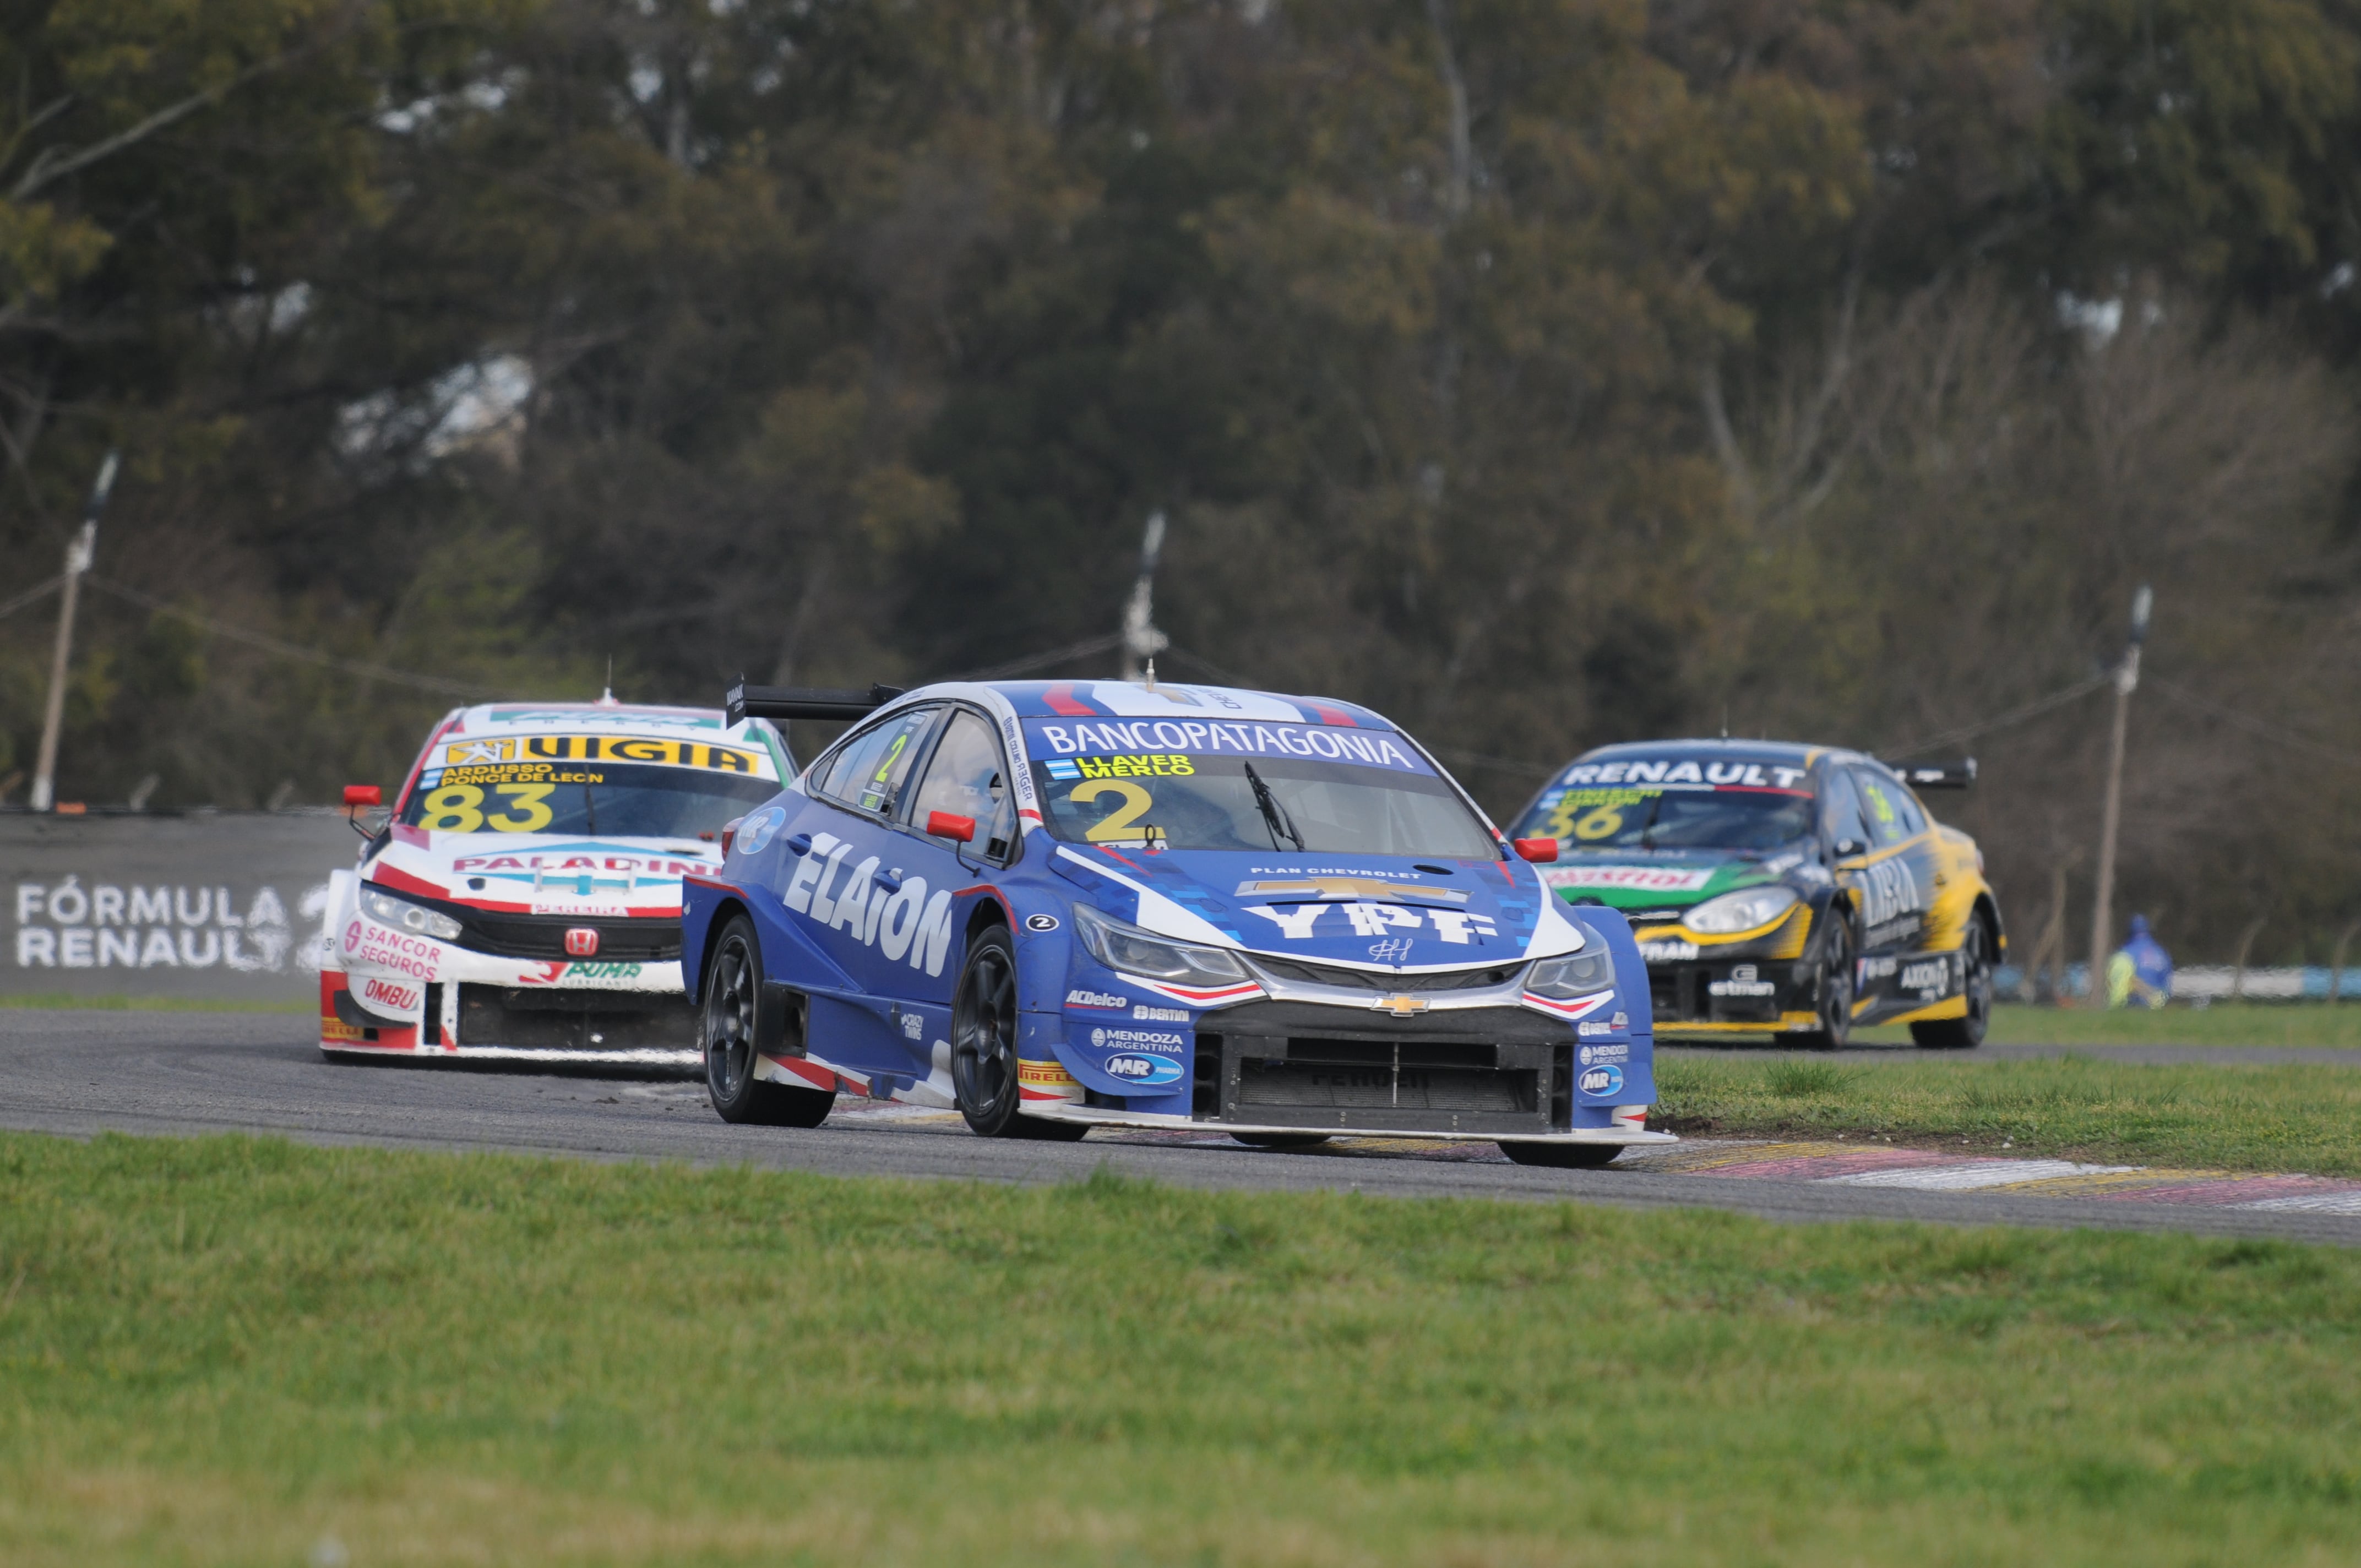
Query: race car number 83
pixel 459 808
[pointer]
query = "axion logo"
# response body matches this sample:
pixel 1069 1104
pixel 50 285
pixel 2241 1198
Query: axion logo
pixel 904 920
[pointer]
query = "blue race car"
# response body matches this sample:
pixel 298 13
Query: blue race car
pixel 1057 905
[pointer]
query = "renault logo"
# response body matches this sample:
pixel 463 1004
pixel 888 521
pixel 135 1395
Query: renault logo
pixel 1401 1006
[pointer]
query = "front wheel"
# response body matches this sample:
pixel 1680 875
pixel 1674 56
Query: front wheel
pixel 1834 1003
pixel 733 998
pixel 1965 1033
pixel 1565 1156
pixel 984 1046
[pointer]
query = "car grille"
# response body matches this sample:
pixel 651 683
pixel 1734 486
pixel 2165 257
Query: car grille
pixel 576 1020
pixel 1373 1083
pixel 653 940
pixel 1365 980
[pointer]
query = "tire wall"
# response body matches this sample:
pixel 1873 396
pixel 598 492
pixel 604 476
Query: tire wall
pixel 224 906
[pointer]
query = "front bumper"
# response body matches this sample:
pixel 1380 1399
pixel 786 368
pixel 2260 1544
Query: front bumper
pixel 404 994
pixel 1394 1056
pixel 1734 995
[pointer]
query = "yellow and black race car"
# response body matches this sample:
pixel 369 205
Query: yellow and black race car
pixel 1780 889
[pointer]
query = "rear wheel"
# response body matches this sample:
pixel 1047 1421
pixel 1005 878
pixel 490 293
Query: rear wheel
pixel 1966 1033
pixel 984 1046
pixel 1834 1004
pixel 733 998
pixel 1565 1156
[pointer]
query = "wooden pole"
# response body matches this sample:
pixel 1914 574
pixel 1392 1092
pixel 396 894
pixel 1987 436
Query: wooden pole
pixel 2101 910
pixel 78 558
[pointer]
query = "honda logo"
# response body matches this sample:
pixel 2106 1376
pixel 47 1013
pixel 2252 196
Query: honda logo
pixel 582 942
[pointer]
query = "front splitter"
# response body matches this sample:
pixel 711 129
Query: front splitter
pixel 630 1056
pixel 1092 1116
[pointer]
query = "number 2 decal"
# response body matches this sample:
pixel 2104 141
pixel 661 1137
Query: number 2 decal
pixel 1135 806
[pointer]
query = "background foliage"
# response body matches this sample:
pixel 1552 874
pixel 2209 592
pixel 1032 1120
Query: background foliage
pixel 1542 372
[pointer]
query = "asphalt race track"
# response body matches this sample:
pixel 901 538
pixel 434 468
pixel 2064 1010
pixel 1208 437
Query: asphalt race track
pixel 79 1073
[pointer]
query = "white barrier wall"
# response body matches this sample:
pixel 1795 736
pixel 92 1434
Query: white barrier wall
pixel 212 906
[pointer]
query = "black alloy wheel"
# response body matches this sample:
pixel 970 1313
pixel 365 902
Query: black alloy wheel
pixel 1834 994
pixel 734 999
pixel 984 1046
pixel 1966 1033
pixel 1563 1157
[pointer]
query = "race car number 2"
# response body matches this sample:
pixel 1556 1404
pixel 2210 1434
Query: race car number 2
pixel 459 808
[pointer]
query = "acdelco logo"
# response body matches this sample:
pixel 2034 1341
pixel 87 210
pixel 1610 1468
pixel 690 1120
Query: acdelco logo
pixel 582 942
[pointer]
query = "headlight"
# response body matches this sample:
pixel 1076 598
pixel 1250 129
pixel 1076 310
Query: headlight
pixel 1741 911
pixel 1134 951
pixel 405 915
pixel 1585 973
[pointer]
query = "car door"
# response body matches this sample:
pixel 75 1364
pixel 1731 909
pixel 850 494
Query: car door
pixel 1896 881
pixel 966 775
pixel 840 877
pixel 1904 830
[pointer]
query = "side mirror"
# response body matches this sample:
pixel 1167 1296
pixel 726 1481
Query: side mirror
pixel 1535 848
pixel 363 795
pixel 1848 848
pixel 950 825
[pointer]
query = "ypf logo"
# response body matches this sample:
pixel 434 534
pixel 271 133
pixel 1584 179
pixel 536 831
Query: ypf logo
pixel 582 942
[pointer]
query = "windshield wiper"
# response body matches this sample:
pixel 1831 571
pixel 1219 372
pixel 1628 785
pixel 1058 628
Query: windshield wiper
pixel 1274 815
pixel 591 809
pixel 1648 833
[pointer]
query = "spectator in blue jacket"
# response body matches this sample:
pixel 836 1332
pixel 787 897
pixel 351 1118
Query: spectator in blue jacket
pixel 2140 974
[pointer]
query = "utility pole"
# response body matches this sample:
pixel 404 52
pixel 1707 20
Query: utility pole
pixel 2101 910
pixel 1141 640
pixel 78 558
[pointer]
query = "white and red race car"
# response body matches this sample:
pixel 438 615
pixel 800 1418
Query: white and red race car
pixel 523 898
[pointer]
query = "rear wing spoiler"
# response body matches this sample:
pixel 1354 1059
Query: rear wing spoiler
pixel 744 702
pixel 1937 775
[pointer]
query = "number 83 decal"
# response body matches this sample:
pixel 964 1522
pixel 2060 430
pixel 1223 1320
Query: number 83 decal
pixel 459 808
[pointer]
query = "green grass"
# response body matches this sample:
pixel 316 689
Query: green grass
pixel 2304 1118
pixel 2226 1023
pixel 59 999
pixel 234 1351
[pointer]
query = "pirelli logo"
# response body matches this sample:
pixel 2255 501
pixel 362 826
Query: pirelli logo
pixel 662 751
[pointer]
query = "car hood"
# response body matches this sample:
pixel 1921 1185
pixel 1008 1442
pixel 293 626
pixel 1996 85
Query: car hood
pixel 1368 911
pixel 1668 882
pixel 541 873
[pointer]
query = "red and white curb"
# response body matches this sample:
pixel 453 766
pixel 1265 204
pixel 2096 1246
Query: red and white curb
pixel 1930 1170
pixel 1829 1163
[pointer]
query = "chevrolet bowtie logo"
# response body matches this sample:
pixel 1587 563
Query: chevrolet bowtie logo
pixel 1401 1006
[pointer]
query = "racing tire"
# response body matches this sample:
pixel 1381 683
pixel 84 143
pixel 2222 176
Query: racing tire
pixel 984 1046
pixel 1832 998
pixel 733 995
pixel 1563 1157
pixel 1279 1140
pixel 1965 1034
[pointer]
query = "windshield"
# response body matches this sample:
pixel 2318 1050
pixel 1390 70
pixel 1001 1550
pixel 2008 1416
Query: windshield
pixel 1269 788
pixel 614 786
pixel 1675 816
